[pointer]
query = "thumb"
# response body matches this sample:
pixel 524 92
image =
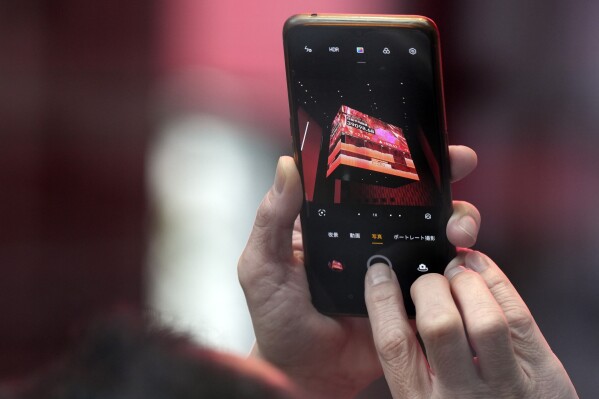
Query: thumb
pixel 270 241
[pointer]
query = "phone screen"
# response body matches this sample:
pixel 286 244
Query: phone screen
pixel 369 139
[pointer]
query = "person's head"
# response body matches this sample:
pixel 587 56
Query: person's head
pixel 126 358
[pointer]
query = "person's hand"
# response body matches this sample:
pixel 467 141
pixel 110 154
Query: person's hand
pixel 480 339
pixel 330 357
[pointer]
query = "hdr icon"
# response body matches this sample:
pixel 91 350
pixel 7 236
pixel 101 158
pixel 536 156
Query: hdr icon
pixel 333 49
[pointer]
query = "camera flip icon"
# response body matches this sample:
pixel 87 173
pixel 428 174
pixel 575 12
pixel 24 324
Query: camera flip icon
pixel 422 268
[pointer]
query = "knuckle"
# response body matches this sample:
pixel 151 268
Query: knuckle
pixel 465 280
pixel 440 324
pixel 489 325
pixel 265 212
pixel 392 345
pixel 383 296
pixel 499 285
pixel 520 321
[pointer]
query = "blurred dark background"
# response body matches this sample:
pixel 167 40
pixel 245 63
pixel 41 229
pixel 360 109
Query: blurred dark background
pixel 74 127
pixel 93 96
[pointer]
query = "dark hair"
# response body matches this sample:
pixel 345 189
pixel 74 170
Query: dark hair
pixel 127 358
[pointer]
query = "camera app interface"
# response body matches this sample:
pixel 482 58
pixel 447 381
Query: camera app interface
pixel 371 147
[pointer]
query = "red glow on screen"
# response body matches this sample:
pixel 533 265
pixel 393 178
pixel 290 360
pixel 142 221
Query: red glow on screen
pixel 361 141
pixel 336 266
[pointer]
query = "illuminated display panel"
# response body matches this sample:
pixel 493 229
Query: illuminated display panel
pixel 364 142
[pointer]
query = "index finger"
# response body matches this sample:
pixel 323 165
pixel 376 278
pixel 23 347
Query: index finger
pixel 403 362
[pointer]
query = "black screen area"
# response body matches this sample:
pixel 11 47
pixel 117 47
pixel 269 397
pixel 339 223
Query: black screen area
pixel 367 119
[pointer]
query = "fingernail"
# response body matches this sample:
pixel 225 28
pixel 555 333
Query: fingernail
pixel 455 267
pixel 476 261
pixel 379 273
pixel 280 177
pixel 454 271
pixel 468 225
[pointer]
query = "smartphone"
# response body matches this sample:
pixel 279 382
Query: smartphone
pixel 369 139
